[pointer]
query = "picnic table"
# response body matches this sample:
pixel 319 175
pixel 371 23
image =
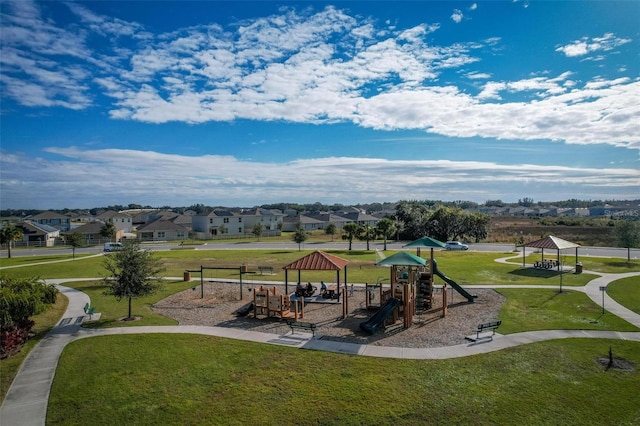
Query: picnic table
pixel 545 264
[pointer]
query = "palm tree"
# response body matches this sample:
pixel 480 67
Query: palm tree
pixel 386 228
pixel 9 234
pixel 367 233
pixel 350 231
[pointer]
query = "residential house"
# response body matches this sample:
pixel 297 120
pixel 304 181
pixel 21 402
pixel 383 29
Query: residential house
pixel 91 232
pixel 121 221
pixel 162 230
pixel 291 223
pixel 271 220
pixel 218 223
pixel 38 234
pixel 327 218
pixel 361 218
pixel 53 219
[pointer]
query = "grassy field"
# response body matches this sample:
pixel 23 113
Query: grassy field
pixel 193 380
pixel 626 292
pixel 464 268
pixel 185 379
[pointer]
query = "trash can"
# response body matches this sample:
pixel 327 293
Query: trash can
pixel 578 268
pixel 187 276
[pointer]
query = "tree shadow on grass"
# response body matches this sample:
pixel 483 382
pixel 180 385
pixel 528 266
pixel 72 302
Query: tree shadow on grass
pixel 536 273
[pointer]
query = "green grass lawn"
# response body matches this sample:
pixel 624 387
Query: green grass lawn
pixel 111 310
pixel 464 268
pixel 194 380
pixel 626 292
pixel 544 309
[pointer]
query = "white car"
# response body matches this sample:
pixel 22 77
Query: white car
pixel 456 245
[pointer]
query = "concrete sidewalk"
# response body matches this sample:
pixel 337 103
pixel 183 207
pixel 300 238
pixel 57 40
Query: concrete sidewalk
pixel 27 398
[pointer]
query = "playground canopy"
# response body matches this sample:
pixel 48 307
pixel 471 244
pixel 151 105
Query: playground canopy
pixel 317 261
pixel 426 242
pixel 553 243
pixel 402 258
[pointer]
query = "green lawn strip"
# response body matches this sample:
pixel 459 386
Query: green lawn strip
pixel 17 261
pixel 605 265
pixel 190 379
pixel 43 323
pixel 463 267
pixel 545 309
pixel 626 292
pixel 112 311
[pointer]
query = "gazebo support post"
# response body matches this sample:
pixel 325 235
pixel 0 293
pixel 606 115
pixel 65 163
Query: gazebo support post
pixel 286 281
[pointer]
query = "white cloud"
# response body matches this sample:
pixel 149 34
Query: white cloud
pixel 474 6
pixel 588 45
pixel 306 67
pixel 457 16
pixel 183 180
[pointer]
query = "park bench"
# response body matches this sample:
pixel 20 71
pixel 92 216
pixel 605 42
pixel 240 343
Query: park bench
pixel 88 310
pixel 487 326
pixel 309 326
pixel 264 269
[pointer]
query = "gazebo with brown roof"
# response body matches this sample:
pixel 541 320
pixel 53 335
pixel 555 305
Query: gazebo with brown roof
pixel 319 261
pixel 553 243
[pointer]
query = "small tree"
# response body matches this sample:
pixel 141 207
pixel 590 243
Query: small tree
pixel 133 272
pixel 331 229
pixel 75 239
pixel 386 228
pixel 257 230
pixel 108 230
pixel 628 232
pixel 350 232
pixel 9 234
pixel 300 236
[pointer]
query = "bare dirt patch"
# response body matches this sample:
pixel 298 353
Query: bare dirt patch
pixel 430 329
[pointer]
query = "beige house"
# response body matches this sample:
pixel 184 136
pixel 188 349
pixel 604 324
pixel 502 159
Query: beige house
pixel 218 223
pixel 162 230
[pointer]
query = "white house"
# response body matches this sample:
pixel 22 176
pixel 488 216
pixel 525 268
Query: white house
pixel 218 223
pixel 271 220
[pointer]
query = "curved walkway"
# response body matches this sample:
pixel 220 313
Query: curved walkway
pixel 27 398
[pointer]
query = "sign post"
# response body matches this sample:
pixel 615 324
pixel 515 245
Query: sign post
pixel 603 289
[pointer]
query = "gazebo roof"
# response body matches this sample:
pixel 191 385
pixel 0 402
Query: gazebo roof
pixel 318 261
pixel 552 242
pixel 426 242
pixel 402 258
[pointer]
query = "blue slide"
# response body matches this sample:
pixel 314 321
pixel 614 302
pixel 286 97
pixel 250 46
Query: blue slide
pixel 470 297
pixel 381 314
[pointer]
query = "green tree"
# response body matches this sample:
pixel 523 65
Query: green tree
pixel 628 232
pixel 9 234
pixel 133 272
pixel 300 236
pixel 222 229
pixel 108 230
pixel 367 233
pixel 386 228
pixel 257 230
pixel 476 225
pixel 331 229
pixel 349 232
pixel 75 239
pixel 446 223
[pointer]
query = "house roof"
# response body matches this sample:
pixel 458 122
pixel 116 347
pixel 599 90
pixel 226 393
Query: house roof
pixel 318 261
pixel 49 215
pixel 161 225
pixel 110 214
pixel 89 228
pixel 31 228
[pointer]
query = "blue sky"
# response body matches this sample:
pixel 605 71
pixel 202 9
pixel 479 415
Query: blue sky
pixel 245 103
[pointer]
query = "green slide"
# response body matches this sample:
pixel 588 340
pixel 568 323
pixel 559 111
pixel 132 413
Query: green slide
pixel 470 297
pixel 381 314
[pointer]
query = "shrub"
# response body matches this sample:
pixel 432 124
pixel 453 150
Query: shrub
pixel 20 299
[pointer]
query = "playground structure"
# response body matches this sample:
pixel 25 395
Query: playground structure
pixel 410 293
pixel 267 303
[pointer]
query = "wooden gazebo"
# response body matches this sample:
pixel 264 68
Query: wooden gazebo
pixel 553 243
pixel 320 261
